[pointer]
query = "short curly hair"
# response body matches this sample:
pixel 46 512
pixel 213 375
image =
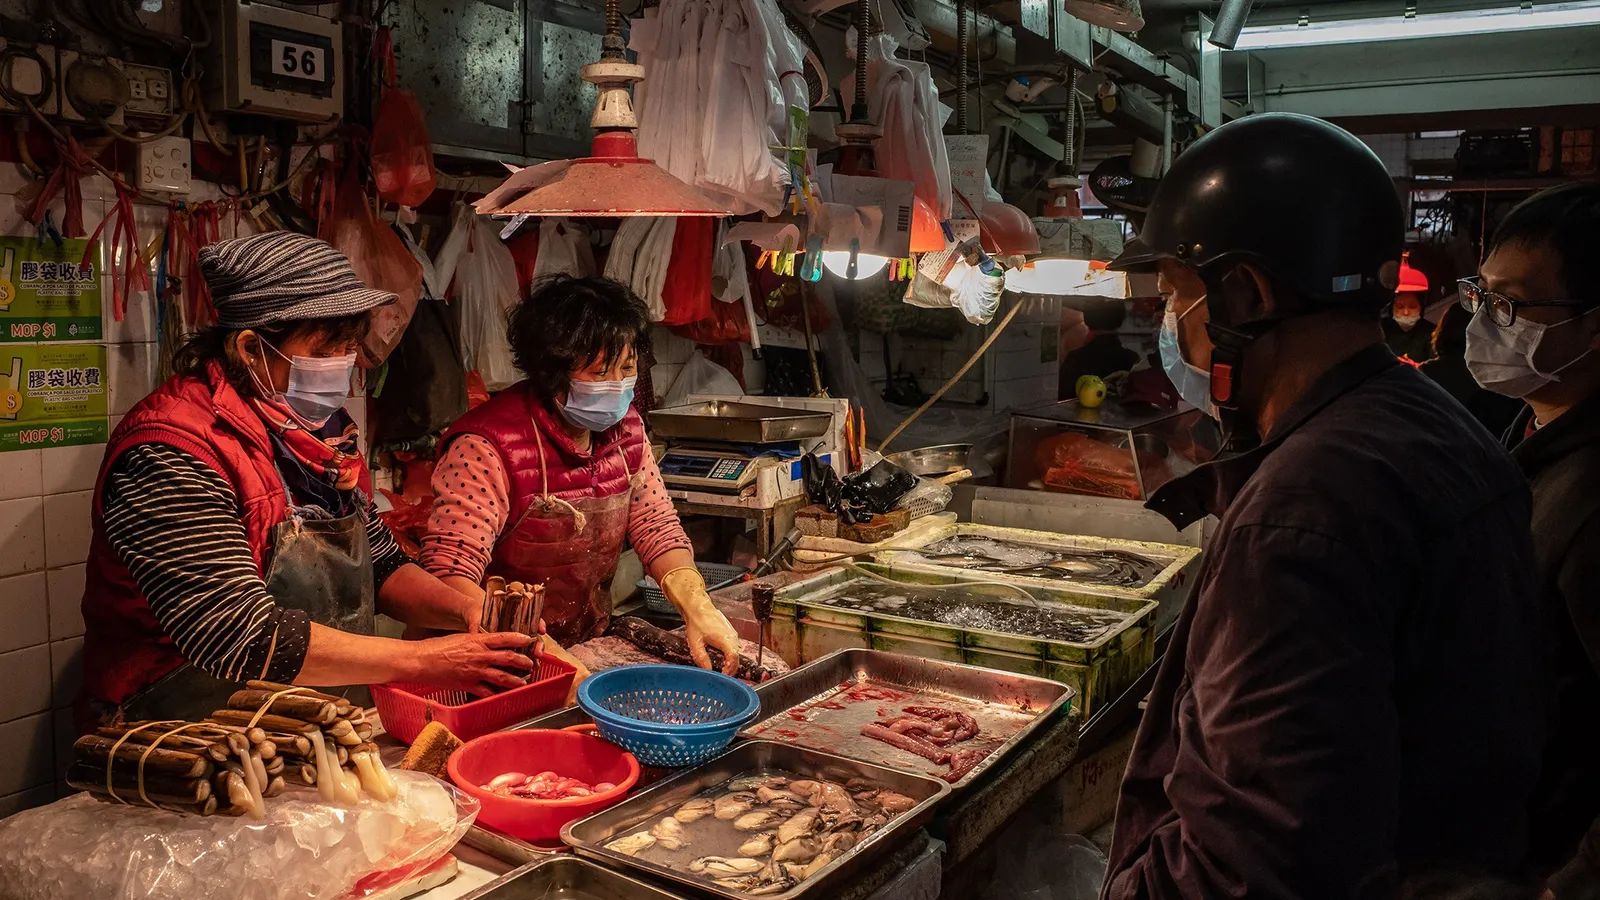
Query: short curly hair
pixel 566 324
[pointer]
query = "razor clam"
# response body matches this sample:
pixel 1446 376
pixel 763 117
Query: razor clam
pixel 633 843
pixel 759 845
pixel 723 867
pixel 801 823
pixel 732 806
pixel 799 850
pixel 694 810
pixel 760 820
pixel 670 834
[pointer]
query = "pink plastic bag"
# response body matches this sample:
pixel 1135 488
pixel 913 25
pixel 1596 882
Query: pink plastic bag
pixel 402 155
pixel 380 259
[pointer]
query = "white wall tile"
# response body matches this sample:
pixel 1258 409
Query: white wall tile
pixel 24 610
pixel 131 374
pixel 22 470
pixel 21 535
pixel 27 753
pixel 138 323
pixel 66 665
pixel 26 674
pixel 67 528
pixel 71 468
pixel 65 589
pixel 11 804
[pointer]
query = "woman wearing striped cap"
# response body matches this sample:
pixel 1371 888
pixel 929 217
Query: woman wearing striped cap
pixel 234 534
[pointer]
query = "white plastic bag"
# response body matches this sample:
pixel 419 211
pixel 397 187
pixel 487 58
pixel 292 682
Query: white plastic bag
pixel 701 376
pixel 1041 863
pixel 563 249
pixel 485 287
pixel 303 850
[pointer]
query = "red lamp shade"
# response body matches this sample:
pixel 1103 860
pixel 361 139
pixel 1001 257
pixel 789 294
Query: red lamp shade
pixel 1412 281
pixel 1006 230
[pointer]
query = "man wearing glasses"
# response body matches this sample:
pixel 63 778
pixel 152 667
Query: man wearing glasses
pixel 1535 327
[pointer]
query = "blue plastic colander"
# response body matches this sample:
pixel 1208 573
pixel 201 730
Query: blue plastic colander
pixel 670 716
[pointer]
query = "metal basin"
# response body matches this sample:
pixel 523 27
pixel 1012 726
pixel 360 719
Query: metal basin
pixel 745 423
pixel 931 462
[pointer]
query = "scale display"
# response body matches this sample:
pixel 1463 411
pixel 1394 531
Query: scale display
pixel 708 471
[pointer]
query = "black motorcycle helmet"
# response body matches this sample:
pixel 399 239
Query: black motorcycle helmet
pixel 1301 199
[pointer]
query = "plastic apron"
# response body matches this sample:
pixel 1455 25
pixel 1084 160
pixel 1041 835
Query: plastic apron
pixel 570 548
pixel 322 566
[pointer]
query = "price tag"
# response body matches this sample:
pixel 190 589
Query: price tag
pixel 298 61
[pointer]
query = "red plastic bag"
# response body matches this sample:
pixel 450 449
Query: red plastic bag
pixel 402 156
pixel 380 259
pixel 727 324
pixel 686 296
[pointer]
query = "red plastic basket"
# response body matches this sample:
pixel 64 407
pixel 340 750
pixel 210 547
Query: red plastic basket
pixel 405 708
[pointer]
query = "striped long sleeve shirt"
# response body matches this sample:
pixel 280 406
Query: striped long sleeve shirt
pixel 175 523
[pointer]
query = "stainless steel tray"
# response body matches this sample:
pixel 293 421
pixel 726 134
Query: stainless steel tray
pixel 799 708
pixel 744 423
pixel 567 878
pixel 588 837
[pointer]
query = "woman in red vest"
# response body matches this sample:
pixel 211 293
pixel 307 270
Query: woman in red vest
pixel 234 537
pixel 546 481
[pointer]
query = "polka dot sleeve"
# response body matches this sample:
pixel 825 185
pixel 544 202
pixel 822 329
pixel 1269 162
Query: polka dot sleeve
pixel 471 502
pixel 653 525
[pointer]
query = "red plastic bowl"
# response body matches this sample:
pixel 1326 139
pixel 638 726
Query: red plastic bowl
pixel 571 753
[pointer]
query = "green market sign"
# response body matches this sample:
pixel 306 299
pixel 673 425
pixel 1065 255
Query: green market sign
pixel 47 291
pixel 52 396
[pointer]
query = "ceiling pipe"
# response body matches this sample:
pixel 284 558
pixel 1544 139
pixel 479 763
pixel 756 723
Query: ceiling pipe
pixel 1229 22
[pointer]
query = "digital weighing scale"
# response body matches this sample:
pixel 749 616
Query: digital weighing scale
pixel 719 469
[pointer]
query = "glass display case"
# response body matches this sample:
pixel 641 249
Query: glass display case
pixel 1118 451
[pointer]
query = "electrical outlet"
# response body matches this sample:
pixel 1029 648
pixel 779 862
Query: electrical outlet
pixel 164 165
pixel 149 91
pixel 94 82
pixel 29 72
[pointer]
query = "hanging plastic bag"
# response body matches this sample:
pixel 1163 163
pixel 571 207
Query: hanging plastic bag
pixel 485 290
pixel 380 260
pixel 425 387
pixel 563 250
pixel 402 155
pixel 686 295
pixel 727 324
pixel 700 376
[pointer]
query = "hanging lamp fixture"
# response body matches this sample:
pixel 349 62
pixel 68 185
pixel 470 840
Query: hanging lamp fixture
pixel 614 181
pixel 857 156
pixel 1117 15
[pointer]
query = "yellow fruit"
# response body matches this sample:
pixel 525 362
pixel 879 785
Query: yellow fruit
pixel 1091 391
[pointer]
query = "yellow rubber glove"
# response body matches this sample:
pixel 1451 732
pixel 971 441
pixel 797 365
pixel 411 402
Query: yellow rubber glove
pixel 560 652
pixel 705 625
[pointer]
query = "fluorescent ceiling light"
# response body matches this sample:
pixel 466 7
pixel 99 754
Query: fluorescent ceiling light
pixel 1422 25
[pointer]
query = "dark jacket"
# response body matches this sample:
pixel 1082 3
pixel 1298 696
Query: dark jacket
pixel 1562 461
pixel 1416 344
pixel 1102 355
pixel 1351 692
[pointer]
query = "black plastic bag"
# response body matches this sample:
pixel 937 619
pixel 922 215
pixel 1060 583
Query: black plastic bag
pixel 425 388
pixel 858 497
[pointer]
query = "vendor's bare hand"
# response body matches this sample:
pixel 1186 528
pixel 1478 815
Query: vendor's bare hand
pixel 479 664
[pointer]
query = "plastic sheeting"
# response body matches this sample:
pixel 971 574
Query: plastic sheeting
pixel 720 78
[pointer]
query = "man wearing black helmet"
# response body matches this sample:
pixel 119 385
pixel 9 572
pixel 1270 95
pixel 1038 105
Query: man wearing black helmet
pixel 1351 691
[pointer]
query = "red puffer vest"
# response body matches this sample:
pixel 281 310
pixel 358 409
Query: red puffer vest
pixel 508 421
pixel 124 646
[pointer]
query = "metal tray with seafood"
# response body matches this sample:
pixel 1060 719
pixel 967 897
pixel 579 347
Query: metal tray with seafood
pixel 830 703
pixel 1077 563
pixel 762 820
pixel 567 878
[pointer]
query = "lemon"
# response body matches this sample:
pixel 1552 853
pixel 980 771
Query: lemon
pixel 1091 391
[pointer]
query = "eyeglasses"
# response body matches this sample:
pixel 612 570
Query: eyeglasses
pixel 1502 309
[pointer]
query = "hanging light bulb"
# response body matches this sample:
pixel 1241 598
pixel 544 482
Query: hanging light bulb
pixel 868 265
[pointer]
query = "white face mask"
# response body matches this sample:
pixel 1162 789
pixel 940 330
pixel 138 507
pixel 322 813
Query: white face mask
pixel 1407 321
pixel 1501 358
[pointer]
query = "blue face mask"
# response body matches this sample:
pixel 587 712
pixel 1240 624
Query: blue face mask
pixel 598 405
pixel 1193 383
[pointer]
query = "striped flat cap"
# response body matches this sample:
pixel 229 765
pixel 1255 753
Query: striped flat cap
pixel 281 276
